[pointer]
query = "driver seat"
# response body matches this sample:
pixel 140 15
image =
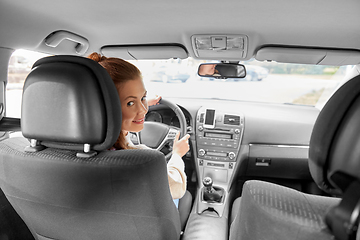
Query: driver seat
pixel 62 180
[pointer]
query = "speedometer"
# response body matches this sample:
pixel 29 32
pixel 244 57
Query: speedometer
pixel 153 117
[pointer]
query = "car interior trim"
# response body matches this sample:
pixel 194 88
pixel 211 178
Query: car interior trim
pixel 134 52
pixel 281 151
pixel 279 146
pixel 319 56
pixel 55 38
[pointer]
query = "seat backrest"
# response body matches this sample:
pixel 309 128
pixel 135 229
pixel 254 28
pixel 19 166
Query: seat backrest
pixel 62 180
pixel 334 155
pixel 335 140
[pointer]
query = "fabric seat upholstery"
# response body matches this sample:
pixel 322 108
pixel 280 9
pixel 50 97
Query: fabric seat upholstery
pixel 276 212
pixel 270 211
pixel 67 185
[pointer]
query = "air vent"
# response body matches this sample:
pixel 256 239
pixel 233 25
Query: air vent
pixel 232 120
pixel 202 117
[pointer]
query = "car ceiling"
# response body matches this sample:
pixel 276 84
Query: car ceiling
pixel 308 23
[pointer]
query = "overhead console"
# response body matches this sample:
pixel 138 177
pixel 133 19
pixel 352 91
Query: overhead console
pixel 218 141
pixel 224 46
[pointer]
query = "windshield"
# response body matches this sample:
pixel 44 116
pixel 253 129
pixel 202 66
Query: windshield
pixel 269 82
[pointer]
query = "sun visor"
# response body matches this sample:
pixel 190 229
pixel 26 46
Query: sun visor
pixel 134 52
pixel 309 56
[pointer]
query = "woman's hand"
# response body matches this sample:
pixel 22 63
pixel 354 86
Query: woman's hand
pixel 154 101
pixel 181 147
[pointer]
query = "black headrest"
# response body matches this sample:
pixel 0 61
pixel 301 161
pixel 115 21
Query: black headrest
pixel 334 155
pixel 69 101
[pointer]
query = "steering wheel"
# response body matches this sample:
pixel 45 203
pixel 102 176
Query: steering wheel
pixel 159 135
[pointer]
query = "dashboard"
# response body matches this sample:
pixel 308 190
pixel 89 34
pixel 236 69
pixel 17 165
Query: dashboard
pixel 235 141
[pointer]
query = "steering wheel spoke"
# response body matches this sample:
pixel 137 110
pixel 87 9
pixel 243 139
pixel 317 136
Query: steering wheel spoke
pixel 169 138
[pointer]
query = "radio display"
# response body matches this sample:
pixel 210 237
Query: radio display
pixel 218 135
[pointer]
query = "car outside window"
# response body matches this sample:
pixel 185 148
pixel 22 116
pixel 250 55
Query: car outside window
pixel 20 64
pixel 268 82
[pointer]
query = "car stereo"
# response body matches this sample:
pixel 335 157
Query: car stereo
pixel 218 135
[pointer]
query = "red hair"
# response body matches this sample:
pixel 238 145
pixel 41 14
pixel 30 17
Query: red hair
pixel 120 72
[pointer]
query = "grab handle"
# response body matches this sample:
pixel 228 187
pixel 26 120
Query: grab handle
pixel 54 39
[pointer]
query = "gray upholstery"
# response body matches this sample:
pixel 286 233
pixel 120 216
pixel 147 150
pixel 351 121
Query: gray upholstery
pixel 112 195
pixel 335 141
pixel 269 211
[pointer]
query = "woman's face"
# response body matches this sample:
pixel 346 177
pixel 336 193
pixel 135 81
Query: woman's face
pixel 134 106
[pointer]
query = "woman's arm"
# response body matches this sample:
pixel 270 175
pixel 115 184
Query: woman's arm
pixel 176 167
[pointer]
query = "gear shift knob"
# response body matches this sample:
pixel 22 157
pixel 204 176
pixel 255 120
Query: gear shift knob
pixel 210 193
pixel 208 182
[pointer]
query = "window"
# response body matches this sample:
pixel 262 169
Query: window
pixel 19 67
pixel 269 82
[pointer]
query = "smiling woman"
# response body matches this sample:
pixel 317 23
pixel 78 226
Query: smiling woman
pixel 134 106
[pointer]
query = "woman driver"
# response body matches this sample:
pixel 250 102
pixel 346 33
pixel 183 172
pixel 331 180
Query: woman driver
pixel 134 106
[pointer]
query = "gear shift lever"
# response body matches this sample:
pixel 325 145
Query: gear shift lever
pixel 208 182
pixel 210 194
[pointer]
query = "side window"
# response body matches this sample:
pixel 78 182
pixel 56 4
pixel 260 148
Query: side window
pixel 19 67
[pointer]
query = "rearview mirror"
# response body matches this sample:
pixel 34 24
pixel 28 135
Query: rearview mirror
pixel 222 70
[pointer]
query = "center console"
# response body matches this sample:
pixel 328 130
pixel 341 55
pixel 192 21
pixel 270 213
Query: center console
pixel 218 140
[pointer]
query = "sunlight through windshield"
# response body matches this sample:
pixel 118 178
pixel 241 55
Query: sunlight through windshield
pixel 265 81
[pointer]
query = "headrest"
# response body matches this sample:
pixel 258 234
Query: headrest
pixel 69 102
pixel 334 154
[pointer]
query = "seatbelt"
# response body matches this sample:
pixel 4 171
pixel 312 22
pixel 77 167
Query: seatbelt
pixel 343 220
